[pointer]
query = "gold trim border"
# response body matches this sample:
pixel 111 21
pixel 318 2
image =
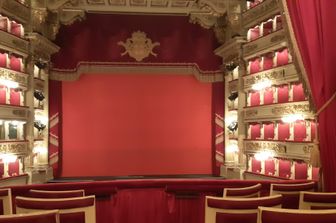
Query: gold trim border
pixel 136 68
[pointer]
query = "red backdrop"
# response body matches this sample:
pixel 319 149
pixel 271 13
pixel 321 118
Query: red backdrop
pixel 136 125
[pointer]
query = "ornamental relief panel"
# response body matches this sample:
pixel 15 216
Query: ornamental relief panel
pixel 138 46
pixel 256 146
pixel 18 10
pixel 19 148
pixel 21 78
pixel 291 109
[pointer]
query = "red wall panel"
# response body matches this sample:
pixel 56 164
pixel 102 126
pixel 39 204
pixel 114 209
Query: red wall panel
pixel 136 125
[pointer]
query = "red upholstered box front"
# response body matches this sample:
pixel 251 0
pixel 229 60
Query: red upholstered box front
pixel 268 96
pixel 298 93
pixel 15 63
pixel 14 97
pixel 284 168
pixel 283 95
pixel 254 33
pixel 254 65
pixel 268 61
pixel 4 23
pixel 267 27
pixel 255 98
pixel 16 29
pixel 282 57
pixel 256 166
pixel 301 171
pixel 3 60
pixel 283 131
pixel 2 95
pixel 300 131
pixel 268 131
pixel 255 131
pixel 269 167
pixel 78 217
pixel 278 22
pixel 283 217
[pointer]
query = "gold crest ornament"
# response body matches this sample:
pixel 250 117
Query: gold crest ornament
pixel 139 46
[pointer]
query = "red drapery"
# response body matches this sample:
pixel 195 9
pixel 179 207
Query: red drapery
pixel 313 24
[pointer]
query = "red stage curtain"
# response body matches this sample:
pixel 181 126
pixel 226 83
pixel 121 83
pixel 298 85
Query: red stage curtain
pixel 313 22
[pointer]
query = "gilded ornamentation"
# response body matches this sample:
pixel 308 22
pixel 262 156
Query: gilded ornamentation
pixel 21 44
pixel 139 46
pixel 249 48
pixel 16 148
pixel 251 113
pixel 277 38
pixel 13 76
pixel 291 109
pixel 271 75
pixel 20 113
pixel 256 146
pixel 307 149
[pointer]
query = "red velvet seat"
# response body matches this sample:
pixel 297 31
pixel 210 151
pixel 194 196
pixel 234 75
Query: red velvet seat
pixel 77 209
pixel 38 217
pixel 253 191
pixel 237 210
pixel 278 215
pixel 56 194
pixel 5 202
pixel 317 200
pixel 291 193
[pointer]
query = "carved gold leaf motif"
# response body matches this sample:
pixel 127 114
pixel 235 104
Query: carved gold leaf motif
pixel 138 46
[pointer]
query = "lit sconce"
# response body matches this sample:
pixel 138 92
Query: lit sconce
pixel 40 64
pixel 262 85
pixel 233 96
pixel 39 125
pixel 231 121
pixel 264 155
pixel 9 83
pixel 292 118
pixel 39 95
pixel 40 150
pixel 8 158
pixel 233 126
pixel 232 147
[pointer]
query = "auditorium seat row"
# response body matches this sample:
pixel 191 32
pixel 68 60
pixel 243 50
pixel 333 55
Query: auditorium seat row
pixel 71 206
pixel 244 205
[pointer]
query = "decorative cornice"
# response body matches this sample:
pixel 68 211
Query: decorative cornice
pixel 273 146
pixel 136 68
pixel 291 109
pixel 41 47
pixel 231 50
